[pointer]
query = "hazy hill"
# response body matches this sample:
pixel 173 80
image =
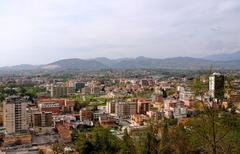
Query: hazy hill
pixel 139 62
pixel 224 57
pixel 20 67
pixel 75 64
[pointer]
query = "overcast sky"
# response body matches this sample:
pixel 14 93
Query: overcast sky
pixel 42 31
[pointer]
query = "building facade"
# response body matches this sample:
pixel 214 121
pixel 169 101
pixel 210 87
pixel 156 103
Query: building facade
pixel 216 86
pixel 15 117
pixel 126 109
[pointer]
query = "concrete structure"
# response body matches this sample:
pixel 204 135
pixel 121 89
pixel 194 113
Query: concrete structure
pixel 185 94
pixel 126 109
pixel 1 115
pixel 86 115
pixel 42 122
pixel 110 107
pixel 15 116
pixel 78 86
pixel 49 107
pixel 66 105
pixel 58 91
pixel 216 86
pixel 143 106
pixel 174 108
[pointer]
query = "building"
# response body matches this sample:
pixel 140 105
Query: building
pixel 144 83
pixel 216 86
pixel 1 115
pixel 49 107
pixel 110 107
pixel 66 105
pixel 58 91
pixel 86 90
pixel 78 86
pixel 30 112
pixel 179 111
pixel 15 116
pixel 185 94
pixel 174 108
pixel 85 115
pixel 42 122
pixel 143 106
pixel 42 119
pixel 126 109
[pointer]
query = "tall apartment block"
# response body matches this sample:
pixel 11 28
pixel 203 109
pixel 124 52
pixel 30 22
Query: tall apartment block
pixel 15 116
pixel 216 86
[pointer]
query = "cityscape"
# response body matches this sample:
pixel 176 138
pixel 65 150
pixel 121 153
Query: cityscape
pixel 109 77
pixel 63 113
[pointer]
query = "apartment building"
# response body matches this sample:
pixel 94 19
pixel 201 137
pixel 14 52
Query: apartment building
pixel 110 107
pixel 126 109
pixel 15 116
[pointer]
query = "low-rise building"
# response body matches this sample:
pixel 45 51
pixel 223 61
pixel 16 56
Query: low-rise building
pixel 49 107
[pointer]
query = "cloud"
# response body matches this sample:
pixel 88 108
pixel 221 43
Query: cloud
pixel 55 29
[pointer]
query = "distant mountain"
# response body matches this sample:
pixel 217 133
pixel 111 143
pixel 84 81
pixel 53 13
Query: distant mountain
pixel 144 62
pixel 224 57
pixel 23 67
pixel 74 64
pixel 169 63
pixel 186 63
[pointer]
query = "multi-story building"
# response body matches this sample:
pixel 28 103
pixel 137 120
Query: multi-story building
pixel 41 119
pixel 40 122
pixel 15 116
pixel 174 108
pixel 110 107
pixel 143 106
pixel 85 115
pixel 126 109
pixel 78 86
pixel 1 115
pixel 58 91
pixel 216 86
pixel 185 94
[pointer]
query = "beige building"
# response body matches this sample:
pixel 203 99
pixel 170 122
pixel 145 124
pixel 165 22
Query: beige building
pixel 110 107
pixel 126 109
pixel 58 91
pixel 15 116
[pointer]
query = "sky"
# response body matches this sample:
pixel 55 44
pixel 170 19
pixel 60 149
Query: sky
pixel 43 31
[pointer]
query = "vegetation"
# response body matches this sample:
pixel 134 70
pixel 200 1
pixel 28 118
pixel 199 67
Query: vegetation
pixel 98 141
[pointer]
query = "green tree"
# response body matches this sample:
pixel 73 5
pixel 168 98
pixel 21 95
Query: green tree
pixel 98 140
pixel 128 146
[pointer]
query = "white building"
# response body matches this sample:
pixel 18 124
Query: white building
pixel 216 85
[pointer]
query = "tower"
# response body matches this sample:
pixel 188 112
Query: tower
pixel 216 86
pixel 15 115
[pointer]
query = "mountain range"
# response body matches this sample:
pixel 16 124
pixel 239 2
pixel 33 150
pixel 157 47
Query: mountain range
pixel 221 61
pixel 224 57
